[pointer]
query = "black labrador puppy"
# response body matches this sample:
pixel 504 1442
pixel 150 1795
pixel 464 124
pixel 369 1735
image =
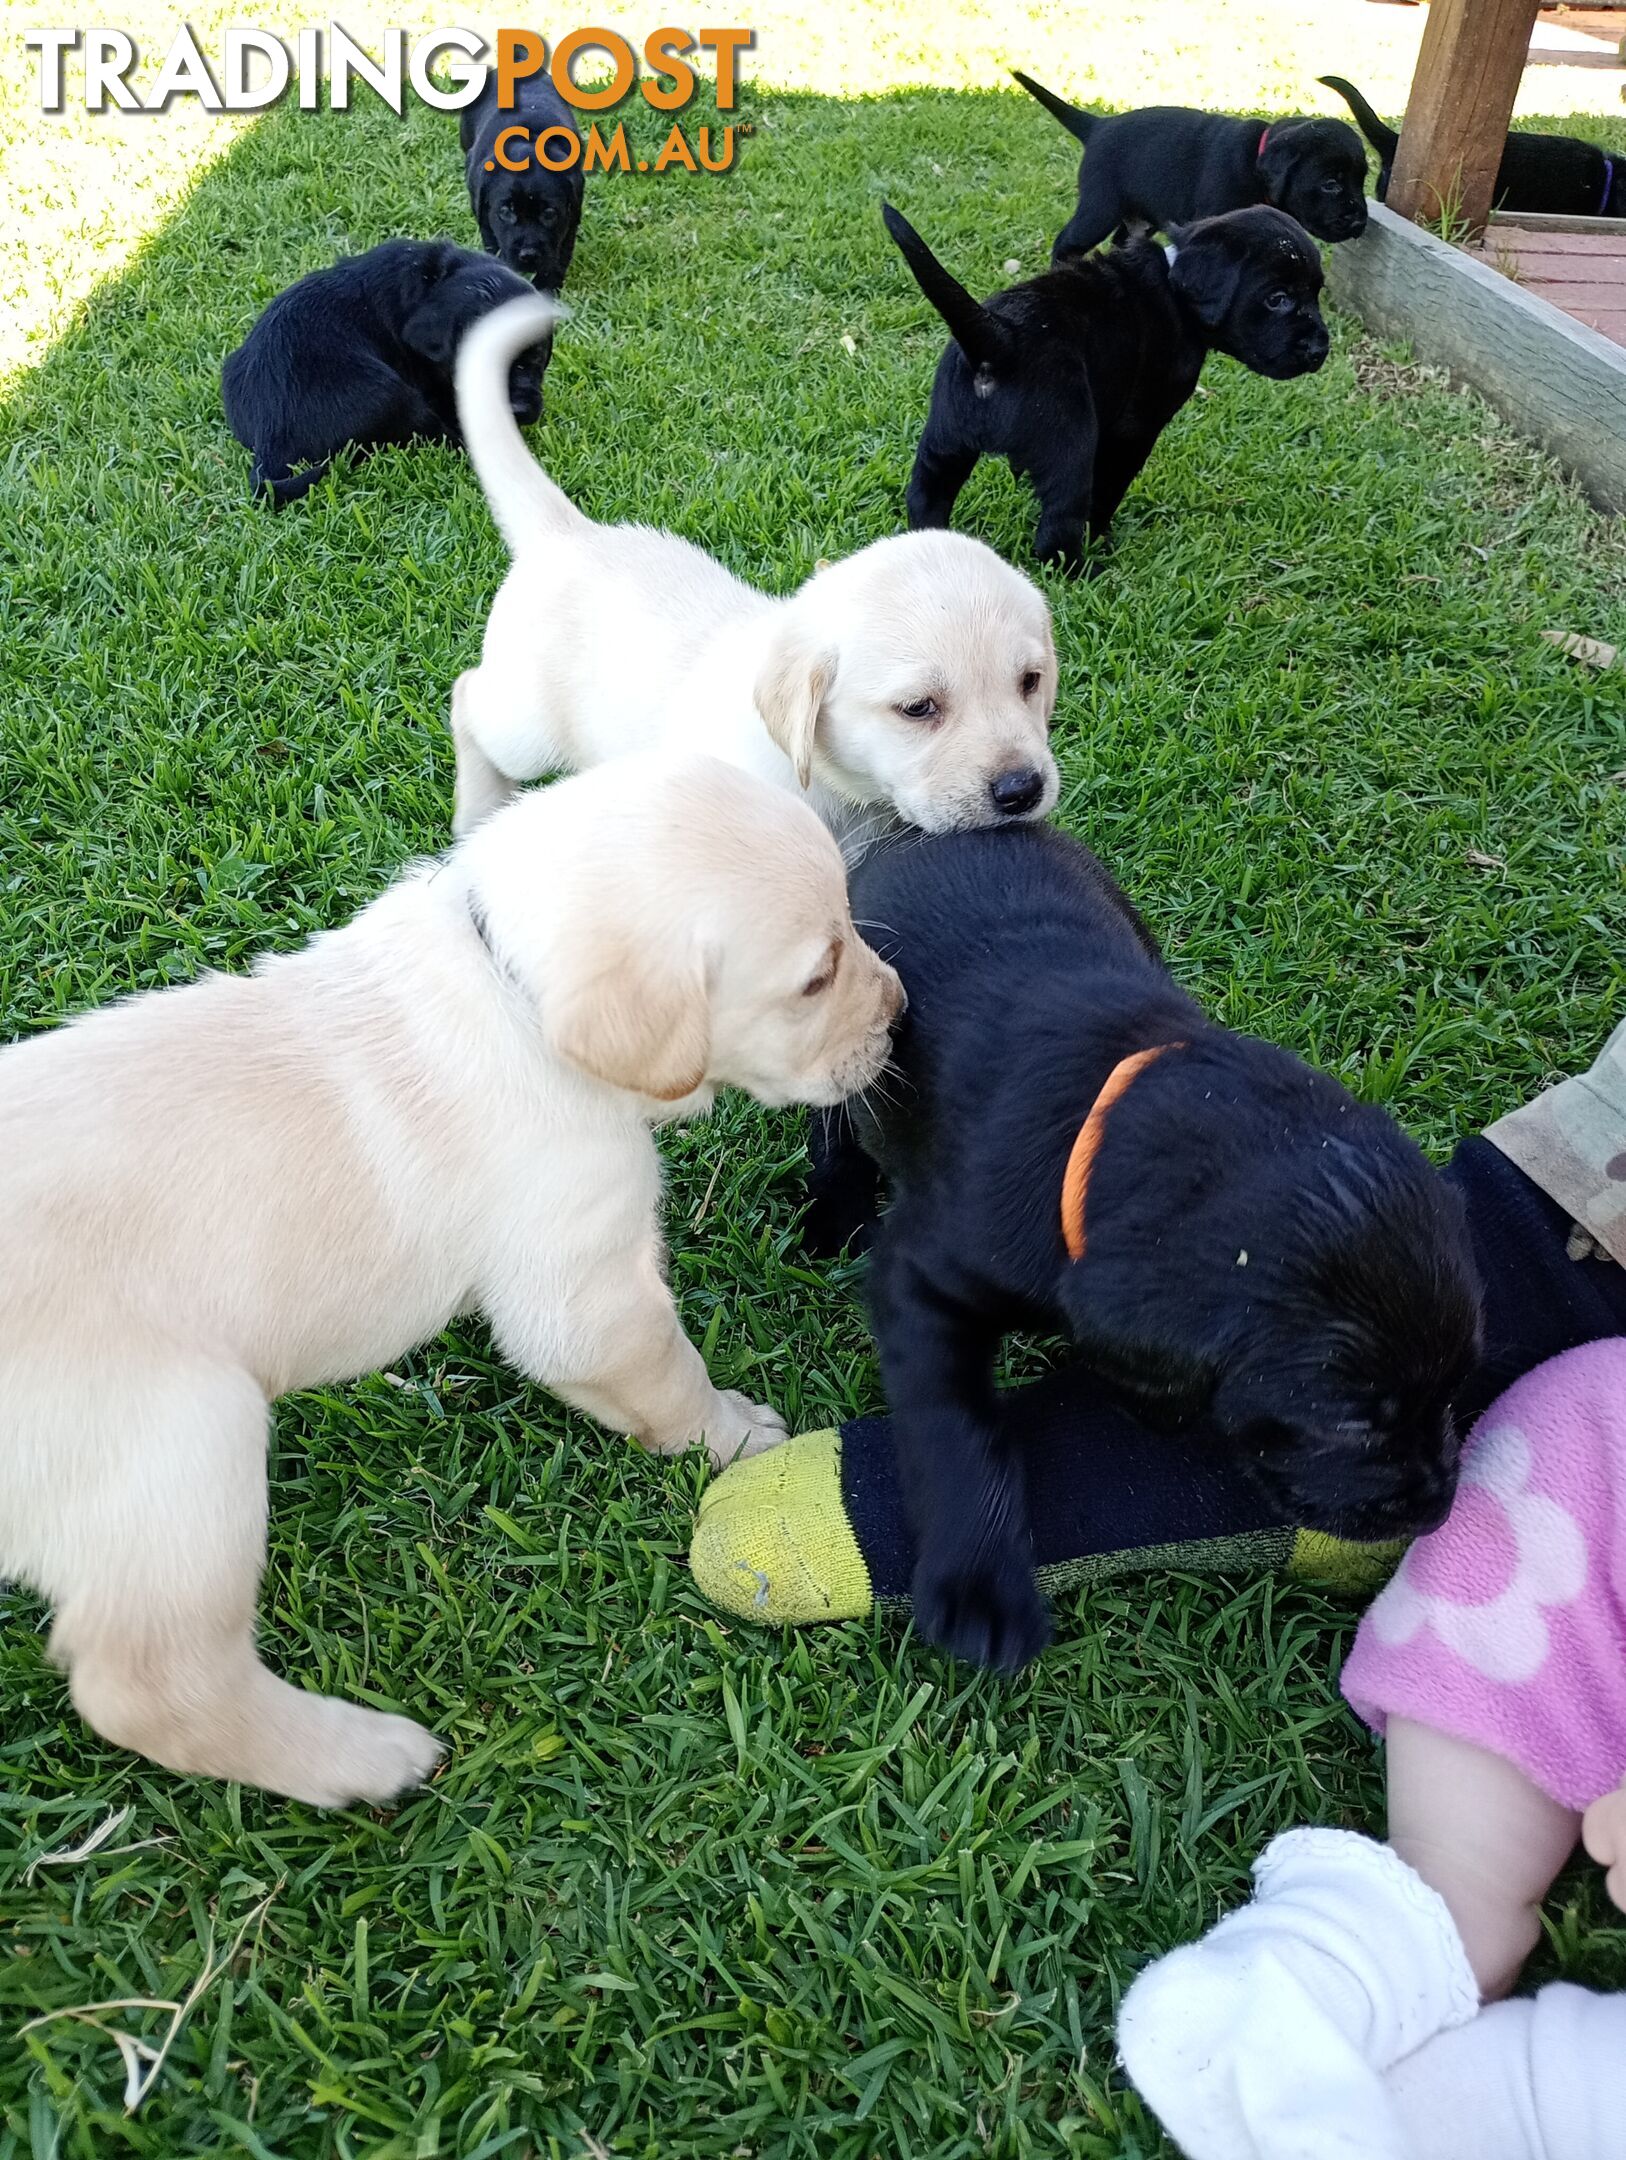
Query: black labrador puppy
pixel 529 218
pixel 1167 164
pixel 1558 174
pixel 361 355
pixel 1072 1144
pixel 1072 376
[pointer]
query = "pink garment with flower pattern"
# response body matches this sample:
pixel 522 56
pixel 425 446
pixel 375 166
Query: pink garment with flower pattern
pixel 1507 1626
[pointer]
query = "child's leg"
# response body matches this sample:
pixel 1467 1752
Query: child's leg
pixel 1478 1832
pixel 1541 2080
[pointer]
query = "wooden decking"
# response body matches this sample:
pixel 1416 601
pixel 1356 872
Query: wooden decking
pixel 1577 264
pixel 1578 37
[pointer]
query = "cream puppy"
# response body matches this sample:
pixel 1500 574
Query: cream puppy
pixel 212 1195
pixel 913 680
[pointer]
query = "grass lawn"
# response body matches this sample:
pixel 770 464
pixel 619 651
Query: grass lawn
pixel 683 1888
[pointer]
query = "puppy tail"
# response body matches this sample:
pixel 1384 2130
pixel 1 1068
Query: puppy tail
pixel 980 336
pixel 277 488
pixel 1383 139
pixel 1072 117
pixel 523 500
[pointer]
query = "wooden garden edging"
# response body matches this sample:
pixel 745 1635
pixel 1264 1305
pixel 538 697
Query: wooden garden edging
pixel 1559 382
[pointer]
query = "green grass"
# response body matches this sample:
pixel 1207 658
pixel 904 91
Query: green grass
pixel 685 1888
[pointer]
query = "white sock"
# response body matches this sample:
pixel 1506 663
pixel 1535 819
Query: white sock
pixel 1267 2039
pixel 1541 2080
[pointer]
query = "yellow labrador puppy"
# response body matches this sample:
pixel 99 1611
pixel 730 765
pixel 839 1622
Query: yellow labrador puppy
pixel 914 680
pixel 211 1195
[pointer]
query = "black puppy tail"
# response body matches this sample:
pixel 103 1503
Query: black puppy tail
pixel 277 488
pixel 1383 139
pixel 984 340
pixel 1072 117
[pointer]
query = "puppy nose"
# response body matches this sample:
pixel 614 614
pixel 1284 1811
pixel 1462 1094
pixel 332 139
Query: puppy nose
pixel 1015 792
pixel 897 999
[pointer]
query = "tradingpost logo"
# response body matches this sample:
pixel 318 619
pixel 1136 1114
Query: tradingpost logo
pixel 255 68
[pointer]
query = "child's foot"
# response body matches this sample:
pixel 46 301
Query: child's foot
pixel 1541 2080
pixel 1267 2040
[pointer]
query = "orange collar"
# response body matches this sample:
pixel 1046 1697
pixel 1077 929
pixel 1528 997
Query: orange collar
pixel 1087 1146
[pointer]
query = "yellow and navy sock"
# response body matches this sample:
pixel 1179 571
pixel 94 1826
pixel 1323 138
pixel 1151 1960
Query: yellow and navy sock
pixel 816 1529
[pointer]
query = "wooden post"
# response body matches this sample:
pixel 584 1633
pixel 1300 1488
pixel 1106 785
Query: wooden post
pixel 1468 71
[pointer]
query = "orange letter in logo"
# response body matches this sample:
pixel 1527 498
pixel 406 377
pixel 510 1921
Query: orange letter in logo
pixel 726 43
pixel 569 153
pixel 661 49
pixel 717 164
pixel 675 151
pixel 621 59
pixel 519 53
pixel 611 156
pixel 499 149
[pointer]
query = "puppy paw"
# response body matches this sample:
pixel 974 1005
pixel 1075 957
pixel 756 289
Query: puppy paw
pixel 367 1757
pixel 1075 553
pixel 832 1226
pixel 986 1609
pixel 740 1428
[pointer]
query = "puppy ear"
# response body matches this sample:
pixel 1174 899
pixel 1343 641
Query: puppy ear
pixel 1155 1343
pixel 790 691
pixel 432 331
pixel 618 1012
pixel 1205 276
pixel 1277 162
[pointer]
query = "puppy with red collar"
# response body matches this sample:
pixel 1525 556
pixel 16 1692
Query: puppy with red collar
pixel 1073 376
pixel 1167 164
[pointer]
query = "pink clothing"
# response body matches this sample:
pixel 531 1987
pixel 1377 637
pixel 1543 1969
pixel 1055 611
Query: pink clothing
pixel 1507 1626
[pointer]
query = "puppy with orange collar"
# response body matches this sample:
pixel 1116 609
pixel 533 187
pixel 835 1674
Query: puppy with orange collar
pixel 1073 1144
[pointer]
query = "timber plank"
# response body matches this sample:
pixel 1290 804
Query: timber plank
pixel 1559 381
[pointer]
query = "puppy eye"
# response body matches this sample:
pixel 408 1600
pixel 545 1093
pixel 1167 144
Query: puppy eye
pixel 1031 681
pixel 1279 303
pixel 819 984
pixel 920 708
pixel 1331 187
